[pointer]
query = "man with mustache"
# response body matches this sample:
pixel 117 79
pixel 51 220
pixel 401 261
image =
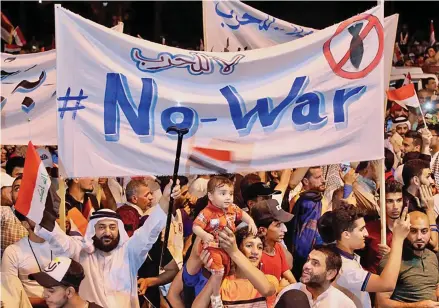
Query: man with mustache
pixel 319 271
pixel 418 277
pixel 109 257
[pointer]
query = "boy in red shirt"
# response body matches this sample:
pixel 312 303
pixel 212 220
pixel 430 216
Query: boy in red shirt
pixel 270 219
pixel 218 214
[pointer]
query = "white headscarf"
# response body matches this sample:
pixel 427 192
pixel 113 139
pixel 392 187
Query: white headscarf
pixel 94 219
pixel 400 121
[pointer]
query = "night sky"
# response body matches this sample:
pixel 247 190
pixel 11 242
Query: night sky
pixel 181 22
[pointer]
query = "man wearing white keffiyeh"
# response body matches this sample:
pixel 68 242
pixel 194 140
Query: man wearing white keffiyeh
pixel 109 257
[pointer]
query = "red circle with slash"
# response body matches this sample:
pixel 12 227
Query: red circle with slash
pixel 373 22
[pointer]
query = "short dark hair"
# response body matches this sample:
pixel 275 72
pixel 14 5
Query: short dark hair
pixel 434 127
pixel 216 182
pixel 393 186
pixel 75 274
pixel 248 180
pixel 413 168
pixel 389 159
pixel 132 188
pixel 242 233
pixel 425 81
pixel 344 219
pixel 13 163
pixel 308 172
pixel 333 258
pixel 417 138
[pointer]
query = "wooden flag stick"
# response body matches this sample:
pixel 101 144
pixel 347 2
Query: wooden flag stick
pixel 62 206
pixel 383 203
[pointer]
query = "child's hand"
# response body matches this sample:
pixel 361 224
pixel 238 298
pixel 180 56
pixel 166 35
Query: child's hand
pixel 252 228
pixel 207 238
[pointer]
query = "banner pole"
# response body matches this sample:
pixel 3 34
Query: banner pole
pixel 383 203
pixel 62 205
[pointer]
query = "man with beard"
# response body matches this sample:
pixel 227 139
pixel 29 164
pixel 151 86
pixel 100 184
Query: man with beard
pixel 418 278
pixel 79 195
pixel 29 255
pixel 61 279
pixel 110 258
pixel 302 232
pixel 319 271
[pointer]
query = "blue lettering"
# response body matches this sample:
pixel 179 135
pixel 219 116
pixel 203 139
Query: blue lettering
pixel 141 118
pixel 341 103
pixel 306 112
pixel 269 116
pixel 182 117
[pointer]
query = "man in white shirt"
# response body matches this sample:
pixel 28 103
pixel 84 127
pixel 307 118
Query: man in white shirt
pixel 319 271
pixel 349 231
pixel 109 257
pixel 29 255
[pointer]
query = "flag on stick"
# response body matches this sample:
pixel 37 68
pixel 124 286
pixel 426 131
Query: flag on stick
pixel 34 188
pixel 404 96
pixel 19 37
pixel 7 29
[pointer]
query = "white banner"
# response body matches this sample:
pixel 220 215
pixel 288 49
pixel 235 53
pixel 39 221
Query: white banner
pixel 314 101
pixel 235 26
pixel 28 98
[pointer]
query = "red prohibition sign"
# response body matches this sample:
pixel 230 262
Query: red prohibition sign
pixel 373 22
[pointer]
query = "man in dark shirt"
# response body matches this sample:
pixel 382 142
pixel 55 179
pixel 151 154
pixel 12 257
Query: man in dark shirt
pixel 415 174
pixel 418 278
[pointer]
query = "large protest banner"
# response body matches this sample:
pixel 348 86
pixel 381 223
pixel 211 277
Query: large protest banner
pixel 28 98
pixel 314 101
pixel 235 26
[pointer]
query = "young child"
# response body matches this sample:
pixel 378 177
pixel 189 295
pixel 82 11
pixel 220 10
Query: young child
pixel 218 214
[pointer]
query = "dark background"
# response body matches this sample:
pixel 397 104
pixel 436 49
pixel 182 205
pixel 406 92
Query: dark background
pixel 180 22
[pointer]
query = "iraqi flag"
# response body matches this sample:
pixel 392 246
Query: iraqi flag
pixel 7 29
pixel 34 187
pixel 12 48
pixel 19 37
pixel 404 96
pixel 432 36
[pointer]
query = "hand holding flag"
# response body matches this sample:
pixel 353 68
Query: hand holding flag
pixel 34 189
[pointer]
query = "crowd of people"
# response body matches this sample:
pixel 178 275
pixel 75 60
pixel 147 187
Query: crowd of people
pixel 305 237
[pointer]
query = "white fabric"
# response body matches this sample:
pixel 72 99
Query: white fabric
pixel 111 278
pixel 330 298
pixel 198 187
pixel 116 190
pixel 6 180
pixel 58 268
pixel 233 25
pixel 38 121
pixel 19 261
pixel 46 157
pixel 13 294
pixel 113 125
pixel 352 279
pixel 232 31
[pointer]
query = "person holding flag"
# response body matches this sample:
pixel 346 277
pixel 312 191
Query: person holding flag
pixel 106 252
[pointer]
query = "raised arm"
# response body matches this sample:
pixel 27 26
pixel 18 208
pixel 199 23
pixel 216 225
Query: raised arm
pixel 253 274
pixel 386 281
